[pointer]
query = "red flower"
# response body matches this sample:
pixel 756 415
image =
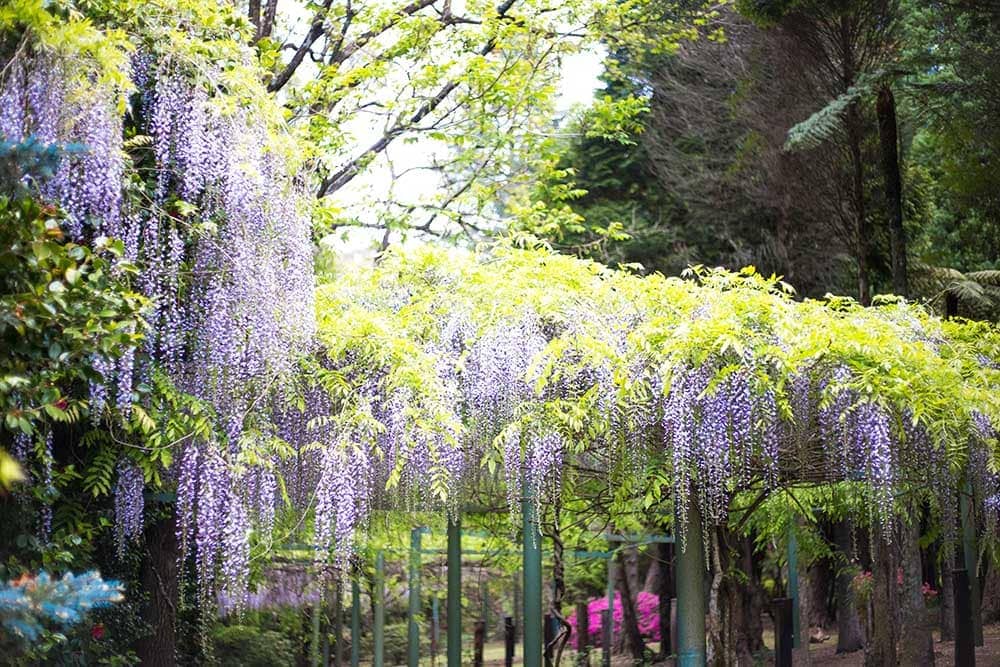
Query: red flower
pixel 97 632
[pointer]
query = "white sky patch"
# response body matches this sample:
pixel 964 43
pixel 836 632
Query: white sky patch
pixel 580 79
pixel 407 181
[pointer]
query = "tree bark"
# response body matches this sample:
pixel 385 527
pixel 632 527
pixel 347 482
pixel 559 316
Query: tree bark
pixel 666 592
pixel 862 231
pixel 885 627
pixel 750 631
pixel 800 654
pixel 889 141
pixel 736 601
pixel 991 595
pixel 627 579
pixel 719 646
pixel 854 138
pixel 947 601
pixel 918 649
pixel 159 577
pixel 849 635
pixel 253 13
pixel 821 580
pixel 630 621
pixel 651 583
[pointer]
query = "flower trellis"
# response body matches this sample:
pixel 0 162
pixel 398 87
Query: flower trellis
pixel 521 359
pixel 439 372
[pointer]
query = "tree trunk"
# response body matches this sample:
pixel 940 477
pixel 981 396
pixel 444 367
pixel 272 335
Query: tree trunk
pixel 821 576
pixel 862 231
pixel 947 601
pixel 651 583
pixel 885 627
pixel 849 635
pixel 559 640
pixel 628 568
pixel 854 138
pixel 736 600
pixel 991 595
pixel 800 654
pixel 665 590
pixel 253 13
pixel 630 621
pixel 159 577
pixel 719 645
pixel 751 627
pixel 918 649
pixel 889 140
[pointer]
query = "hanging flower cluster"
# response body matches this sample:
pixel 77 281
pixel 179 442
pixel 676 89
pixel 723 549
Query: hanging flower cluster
pixel 730 380
pixel 37 99
pixel 204 199
pixel 129 505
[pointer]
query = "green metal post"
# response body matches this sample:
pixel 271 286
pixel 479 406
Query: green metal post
pixel 793 584
pixel 970 552
pixel 455 592
pixel 355 623
pixel 435 630
pixel 691 594
pixel 532 566
pixel 413 620
pixel 378 604
pixel 609 592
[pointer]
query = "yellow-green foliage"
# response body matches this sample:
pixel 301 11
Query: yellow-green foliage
pixel 901 357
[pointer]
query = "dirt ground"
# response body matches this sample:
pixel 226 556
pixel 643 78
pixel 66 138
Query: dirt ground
pixel 821 655
pixel 988 655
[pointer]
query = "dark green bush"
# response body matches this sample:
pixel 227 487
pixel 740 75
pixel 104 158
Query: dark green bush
pixel 396 643
pixel 248 646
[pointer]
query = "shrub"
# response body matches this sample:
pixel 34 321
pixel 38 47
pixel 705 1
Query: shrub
pixel 647 611
pixel 248 646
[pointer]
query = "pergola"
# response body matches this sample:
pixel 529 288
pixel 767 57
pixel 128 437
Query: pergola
pixel 520 360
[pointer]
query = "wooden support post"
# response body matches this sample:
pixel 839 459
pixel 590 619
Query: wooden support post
pixel 478 640
pixel 783 625
pixel 965 637
pixel 509 639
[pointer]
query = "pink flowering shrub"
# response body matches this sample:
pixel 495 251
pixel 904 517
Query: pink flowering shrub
pixel 647 606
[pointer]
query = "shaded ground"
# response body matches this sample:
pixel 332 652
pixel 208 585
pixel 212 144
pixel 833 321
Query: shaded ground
pixel 987 655
pixel 822 655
